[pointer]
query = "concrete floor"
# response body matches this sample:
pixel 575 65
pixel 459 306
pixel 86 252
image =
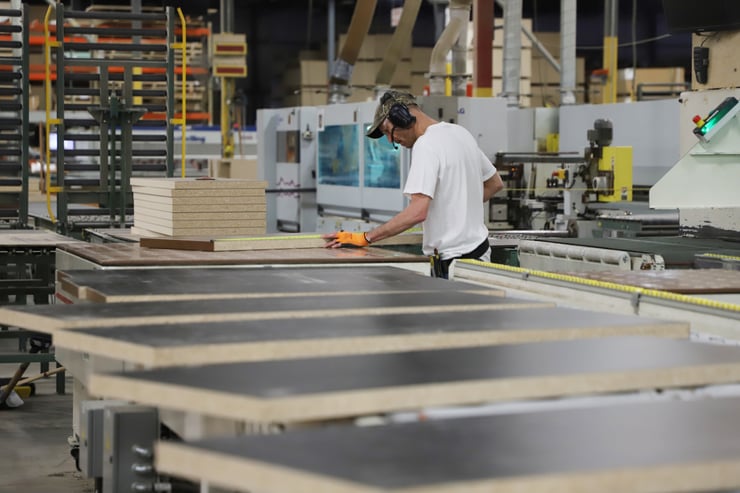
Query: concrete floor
pixel 35 435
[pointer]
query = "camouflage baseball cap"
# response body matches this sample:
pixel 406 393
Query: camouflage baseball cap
pixel 384 107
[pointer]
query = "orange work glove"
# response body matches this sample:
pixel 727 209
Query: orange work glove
pixel 356 239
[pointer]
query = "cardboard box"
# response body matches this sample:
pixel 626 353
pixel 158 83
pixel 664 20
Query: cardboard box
pixel 307 73
pixel 498 33
pixel 544 73
pixel 307 96
pixel 418 83
pixel 420 58
pixel 365 72
pixel 243 169
pixel 526 62
pixel 550 40
pixel 374 46
pixel 547 95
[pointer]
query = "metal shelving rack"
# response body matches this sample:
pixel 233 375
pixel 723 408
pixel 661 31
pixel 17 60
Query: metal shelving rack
pixel 119 139
pixel 14 121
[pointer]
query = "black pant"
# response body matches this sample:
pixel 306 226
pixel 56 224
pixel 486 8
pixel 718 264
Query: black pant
pixel 441 268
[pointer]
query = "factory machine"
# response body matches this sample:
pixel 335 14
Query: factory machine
pixel 552 190
pixel 286 156
pixel 358 181
pixel 698 190
pixel 703 184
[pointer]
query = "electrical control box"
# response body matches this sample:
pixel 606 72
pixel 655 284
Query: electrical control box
pixel 129 433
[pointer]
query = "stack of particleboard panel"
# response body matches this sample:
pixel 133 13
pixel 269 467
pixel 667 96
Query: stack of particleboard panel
pixel 198 207
pixel 546 80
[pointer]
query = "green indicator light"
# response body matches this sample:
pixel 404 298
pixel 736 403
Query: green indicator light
pixel 717 115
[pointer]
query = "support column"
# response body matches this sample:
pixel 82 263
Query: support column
pixel 483 50
pixel 611 18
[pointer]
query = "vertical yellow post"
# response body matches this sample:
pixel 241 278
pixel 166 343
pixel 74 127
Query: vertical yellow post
pixel 227 144
pixel 48 44
pixel 610 64
pixel 182 121
pixel 184 104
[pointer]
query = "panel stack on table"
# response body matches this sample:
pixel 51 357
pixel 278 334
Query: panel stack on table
pixel 198 207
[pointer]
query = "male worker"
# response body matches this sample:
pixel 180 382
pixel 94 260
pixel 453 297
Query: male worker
pixel 449 181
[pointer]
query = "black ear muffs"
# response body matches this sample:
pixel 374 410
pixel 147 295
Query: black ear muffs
pixel 400 116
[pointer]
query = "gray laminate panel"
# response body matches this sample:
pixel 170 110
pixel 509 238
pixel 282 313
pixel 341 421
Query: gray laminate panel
pixel 50 318
pixel 275 380
pixel 317 328
pixel 141 284
pixel 324 335
pixel 575 448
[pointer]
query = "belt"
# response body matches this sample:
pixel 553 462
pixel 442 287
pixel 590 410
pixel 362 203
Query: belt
pixel 440 268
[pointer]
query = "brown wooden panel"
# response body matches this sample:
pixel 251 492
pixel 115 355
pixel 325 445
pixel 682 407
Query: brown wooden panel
pixel 683 281
pixel 276 242
pixel 125 255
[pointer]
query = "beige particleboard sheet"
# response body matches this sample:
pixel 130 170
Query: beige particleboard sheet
pixel 225 197
pixel 197 183
pixel 198 193
pixel 230 208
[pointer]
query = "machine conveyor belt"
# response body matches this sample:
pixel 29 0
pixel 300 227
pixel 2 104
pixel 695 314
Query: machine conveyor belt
pixel 677 251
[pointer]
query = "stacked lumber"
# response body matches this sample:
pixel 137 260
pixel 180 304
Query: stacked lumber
pixel 198 207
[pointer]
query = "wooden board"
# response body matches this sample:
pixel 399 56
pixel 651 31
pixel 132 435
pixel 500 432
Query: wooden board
pixel 682 281
pixel 260 340
pixel 125 285
pixel 130 255
pixel 196 183
pixel 250 204
pixel 33 238
pixel 645 447
pixel 271 242
pixel 246 228
pixel 52 318
pixel 244 197
pixel 196 192
pixel 171 218
pixel 341 387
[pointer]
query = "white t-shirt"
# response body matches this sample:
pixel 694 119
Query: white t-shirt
pixel 448 166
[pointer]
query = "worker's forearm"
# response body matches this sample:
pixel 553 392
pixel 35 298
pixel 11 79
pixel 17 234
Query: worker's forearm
pixel 492 186
pixel 396 225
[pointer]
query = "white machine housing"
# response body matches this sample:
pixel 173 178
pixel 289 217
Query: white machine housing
pixel 703 183
pixel 286 155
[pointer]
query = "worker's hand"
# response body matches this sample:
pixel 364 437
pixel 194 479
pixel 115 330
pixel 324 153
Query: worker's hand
pixel 342 238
